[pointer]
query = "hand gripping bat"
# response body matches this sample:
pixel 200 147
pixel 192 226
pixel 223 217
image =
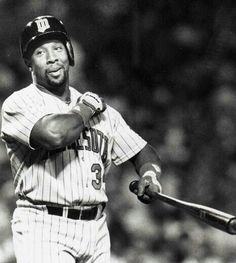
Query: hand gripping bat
pixel 210 216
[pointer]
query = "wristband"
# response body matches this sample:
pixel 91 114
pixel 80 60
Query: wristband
pixel 84 111
pixel 150 167
pixel 153 176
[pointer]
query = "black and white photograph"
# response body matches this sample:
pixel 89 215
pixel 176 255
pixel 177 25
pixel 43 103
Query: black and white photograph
pixel 117 131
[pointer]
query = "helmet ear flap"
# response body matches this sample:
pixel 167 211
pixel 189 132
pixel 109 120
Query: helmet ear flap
pixel 70 52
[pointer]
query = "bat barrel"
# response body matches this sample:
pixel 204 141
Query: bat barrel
pixel 216 218
pixel 232 226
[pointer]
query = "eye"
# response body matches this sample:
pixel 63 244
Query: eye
pixel 59 48
pixel 38 52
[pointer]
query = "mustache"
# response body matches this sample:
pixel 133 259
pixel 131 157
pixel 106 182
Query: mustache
pixel 55 67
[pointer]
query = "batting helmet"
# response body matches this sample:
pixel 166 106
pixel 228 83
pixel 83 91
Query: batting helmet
pixel 40 28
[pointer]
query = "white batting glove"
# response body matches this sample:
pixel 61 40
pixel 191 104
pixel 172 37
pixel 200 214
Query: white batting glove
pixel 148 186
pixel 88 105
pixel 93 101
pixel 149 180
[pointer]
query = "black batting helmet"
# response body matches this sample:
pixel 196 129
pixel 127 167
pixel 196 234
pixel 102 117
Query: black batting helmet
pixel 40 28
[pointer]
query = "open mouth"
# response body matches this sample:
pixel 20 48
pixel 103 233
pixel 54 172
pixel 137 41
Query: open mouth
pixel 55 72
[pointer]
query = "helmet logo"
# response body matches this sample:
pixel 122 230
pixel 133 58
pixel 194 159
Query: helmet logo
pixel 42 24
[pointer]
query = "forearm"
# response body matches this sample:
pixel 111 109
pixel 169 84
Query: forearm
pixel 148 166
pixel 145 158
pixel 57 130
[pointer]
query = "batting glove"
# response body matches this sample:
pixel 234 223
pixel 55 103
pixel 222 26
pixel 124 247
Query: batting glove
pixel 93 101
pixel 148 186
pixel 88 105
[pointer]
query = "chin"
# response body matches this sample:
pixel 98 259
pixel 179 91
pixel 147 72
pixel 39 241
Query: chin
pixel 56 82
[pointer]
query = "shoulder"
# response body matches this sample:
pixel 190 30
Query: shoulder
pixel 27 91
pixel 112 116
pixel 112 112
pixel 20 97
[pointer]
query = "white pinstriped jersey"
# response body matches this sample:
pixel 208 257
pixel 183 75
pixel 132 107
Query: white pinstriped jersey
pixel 73 175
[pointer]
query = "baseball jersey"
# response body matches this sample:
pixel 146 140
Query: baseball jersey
pixel 70 176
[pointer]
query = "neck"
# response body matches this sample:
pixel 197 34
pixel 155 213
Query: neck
pixel 63 94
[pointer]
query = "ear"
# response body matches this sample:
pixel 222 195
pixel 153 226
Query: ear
pixel 28 63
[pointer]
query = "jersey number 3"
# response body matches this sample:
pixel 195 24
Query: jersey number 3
pixel 97 169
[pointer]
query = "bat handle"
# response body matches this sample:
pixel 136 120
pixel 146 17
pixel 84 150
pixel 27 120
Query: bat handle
pixel 232 226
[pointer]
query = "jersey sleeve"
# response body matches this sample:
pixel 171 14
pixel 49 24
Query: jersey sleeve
pixel 126 142
pixel 19 115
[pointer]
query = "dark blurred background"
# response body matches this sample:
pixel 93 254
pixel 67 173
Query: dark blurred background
pixel 169 66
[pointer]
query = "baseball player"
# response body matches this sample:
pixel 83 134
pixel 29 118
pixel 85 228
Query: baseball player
pixel 61 144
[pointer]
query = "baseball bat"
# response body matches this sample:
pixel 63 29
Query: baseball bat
pixel 211 216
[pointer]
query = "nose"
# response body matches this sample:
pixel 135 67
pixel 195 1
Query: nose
pixel 51 56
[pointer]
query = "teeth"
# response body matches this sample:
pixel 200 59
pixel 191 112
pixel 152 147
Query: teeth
pixel 54 73
pixel 54 70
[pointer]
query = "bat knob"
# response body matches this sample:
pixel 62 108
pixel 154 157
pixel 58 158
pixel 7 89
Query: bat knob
pixel 133 186
pixel 232 226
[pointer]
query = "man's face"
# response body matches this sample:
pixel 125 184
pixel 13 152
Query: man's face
pixel 50 65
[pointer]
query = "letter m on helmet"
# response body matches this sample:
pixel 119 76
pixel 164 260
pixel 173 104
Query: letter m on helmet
pixel 42 24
